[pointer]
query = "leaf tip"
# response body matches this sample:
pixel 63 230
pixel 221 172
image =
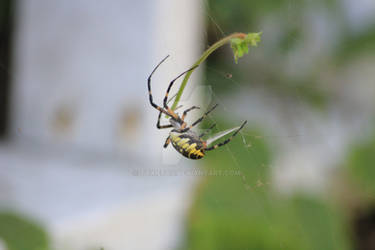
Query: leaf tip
pixel 240 45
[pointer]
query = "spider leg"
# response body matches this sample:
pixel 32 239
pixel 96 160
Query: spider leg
pixel 162 126
pixel 167 141
pixel 171 84
pixel 205 132
pixel 184 124
pixel 227 140
pixel 200 119
pixel 180 106
pixel 169 110
pixel 149 88
pixel 188 110
pixel 204 116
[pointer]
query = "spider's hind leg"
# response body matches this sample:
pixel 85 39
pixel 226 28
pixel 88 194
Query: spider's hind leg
pixel 227 140
pixel 167 141
pixel 205 132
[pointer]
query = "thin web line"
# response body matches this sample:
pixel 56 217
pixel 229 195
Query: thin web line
pixel 247 186
pixel 243 135
pixel 228 77
pixel 206 10
pixel 215 23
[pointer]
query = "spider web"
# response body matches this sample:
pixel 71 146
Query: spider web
pixel 294 132
pixel 281 125
pixel 294 128
pixel 230 80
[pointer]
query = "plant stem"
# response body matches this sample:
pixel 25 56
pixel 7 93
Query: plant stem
pixel 211 49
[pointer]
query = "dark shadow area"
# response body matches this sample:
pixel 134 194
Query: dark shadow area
pixel 364 228
pixel 6 27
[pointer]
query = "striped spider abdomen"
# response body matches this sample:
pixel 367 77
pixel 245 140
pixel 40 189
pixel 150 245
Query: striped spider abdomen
pixel 187 144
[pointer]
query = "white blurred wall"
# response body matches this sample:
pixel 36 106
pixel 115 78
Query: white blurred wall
pixel 82 123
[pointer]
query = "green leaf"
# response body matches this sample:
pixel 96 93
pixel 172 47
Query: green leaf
pixel 240 46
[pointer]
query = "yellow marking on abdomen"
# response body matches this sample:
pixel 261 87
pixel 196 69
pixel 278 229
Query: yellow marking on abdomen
pixel 192 146
pixel 196 153
pixel 182 142
pixel 192 152
pixel 175 138
pixel 199 152
pixel 192 149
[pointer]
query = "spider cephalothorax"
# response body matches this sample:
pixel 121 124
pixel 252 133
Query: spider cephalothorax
pixel 184 140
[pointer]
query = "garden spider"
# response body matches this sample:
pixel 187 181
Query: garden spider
pixel 184 140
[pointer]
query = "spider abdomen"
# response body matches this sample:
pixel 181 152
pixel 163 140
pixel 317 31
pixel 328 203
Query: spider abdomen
pixel 187 145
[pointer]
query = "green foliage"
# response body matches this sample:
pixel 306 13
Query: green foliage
pixel 245 14
pixel 355 45
pixel 240 46
pixel 242 14
pixel 240 43
pixel 360 165
pixel 285 41
pixel 227 215
pixel 19 233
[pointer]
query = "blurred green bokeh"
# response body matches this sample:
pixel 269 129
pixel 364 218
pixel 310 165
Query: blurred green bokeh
pixel 227 215
pixel 19 233
pixel 360 165
pixel 289 32
pixel 245 211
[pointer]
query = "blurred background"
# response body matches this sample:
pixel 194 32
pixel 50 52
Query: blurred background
pixel 82 164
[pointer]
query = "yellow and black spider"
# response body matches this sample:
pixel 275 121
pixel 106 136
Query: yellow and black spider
pixel 184 140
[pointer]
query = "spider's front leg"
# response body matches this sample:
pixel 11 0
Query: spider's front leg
pixel 184 124
pixel 169 110
pixel 171 84
pixel 160 109
pixel 162 126
pixel 188 110
pixel 199 120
